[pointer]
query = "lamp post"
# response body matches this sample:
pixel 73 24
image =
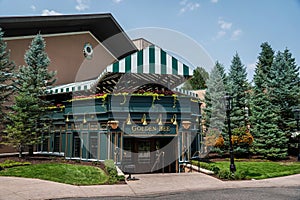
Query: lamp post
pixel 228 107
pixel 297 118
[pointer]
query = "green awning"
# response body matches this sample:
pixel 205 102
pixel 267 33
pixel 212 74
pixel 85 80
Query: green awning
pixel 149 65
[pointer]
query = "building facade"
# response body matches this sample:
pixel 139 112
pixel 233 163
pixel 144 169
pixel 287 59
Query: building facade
pixel 114 98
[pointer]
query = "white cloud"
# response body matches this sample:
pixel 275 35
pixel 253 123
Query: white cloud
pixel 221 34
pixel 188 6
pixel 224 25
pixel 117 1
pixel 33 7
pixel 236 34
pixel 214 1
pixel 82 5
pixel 50 12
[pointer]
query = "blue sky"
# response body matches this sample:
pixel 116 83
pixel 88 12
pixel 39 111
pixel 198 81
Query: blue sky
pixel 220 27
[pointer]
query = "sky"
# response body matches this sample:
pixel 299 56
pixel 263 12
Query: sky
pixel 219 28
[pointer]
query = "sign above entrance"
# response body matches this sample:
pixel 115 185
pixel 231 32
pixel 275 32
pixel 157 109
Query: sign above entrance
pixel 151 129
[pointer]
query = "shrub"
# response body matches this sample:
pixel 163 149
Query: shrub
pixel 112 172
pixel 240 175
pixel 11 163
pixel 225 174
pixel 214 168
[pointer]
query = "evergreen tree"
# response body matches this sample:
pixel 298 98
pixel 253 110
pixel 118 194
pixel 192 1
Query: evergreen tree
pixel 29 108
pixel 214 111
pixel 6 83
pixel 238 88
pixel 214 106
pixel 284 91
pixel 198 81
pixel 265 60
pixel 263 114
pixel 269 140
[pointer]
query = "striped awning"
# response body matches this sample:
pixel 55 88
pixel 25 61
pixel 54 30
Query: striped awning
pixel 151 60
pixel 151 63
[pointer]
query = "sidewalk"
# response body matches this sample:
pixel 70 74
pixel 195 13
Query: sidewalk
pixel 22 188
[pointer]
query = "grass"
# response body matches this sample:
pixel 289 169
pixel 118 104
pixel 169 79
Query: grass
pixel 261 170
pixel 60 172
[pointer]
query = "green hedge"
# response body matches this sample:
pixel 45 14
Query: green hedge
pixel 223 173
pixel 11 163
pixel 112 172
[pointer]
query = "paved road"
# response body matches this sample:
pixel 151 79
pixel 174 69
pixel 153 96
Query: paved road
pixel 290 193
pixel 183 185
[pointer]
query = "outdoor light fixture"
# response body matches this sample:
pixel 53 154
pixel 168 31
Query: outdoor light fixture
pixel 128 120
pixel 113 124
pixel 186 124
pixel 67 118
pixel 228 107
pixel 159 120
pixel 144 120
pixel 84 120
pixel 174 119
pixel 297 118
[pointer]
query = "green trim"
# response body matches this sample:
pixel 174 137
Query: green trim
pixel 103 146
pixel 163 62
pixel 116 67
pixel 151 60
pixel 128 64
pixel 185 70
pixel 140 58
pixel 174 66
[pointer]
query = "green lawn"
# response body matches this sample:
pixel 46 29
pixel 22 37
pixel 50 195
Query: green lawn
pixel 262 169
pixel 59 172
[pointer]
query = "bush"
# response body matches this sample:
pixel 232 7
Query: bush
pixel 227 175
pixel 112 172
pixel 11 163
pixel 214 168
pixel 240 175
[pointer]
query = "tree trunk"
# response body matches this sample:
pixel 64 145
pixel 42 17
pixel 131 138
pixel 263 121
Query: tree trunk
pixel 30 150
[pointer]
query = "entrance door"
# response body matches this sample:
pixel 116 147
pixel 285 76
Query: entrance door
pixel 149 155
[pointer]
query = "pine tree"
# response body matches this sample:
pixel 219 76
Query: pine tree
pixel 284 91
pixel 7 68
pixel 238 88
pixel 214 111
pixel 263 114
pixel 269 140
pixel 32 81
pixel 284 88
pixel 214 107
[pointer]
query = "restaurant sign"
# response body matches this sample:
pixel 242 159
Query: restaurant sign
pixel 151 129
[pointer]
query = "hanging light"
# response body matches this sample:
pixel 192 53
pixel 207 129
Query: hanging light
pixel 67 118
pixel 84 120
pixel 128 120
pixel 174 119
pixel 144 120
pixel 159 120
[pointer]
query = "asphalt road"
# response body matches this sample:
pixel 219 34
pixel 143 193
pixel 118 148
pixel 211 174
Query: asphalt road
pixel 286 193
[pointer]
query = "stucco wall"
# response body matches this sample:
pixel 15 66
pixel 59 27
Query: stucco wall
pixel 66 54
